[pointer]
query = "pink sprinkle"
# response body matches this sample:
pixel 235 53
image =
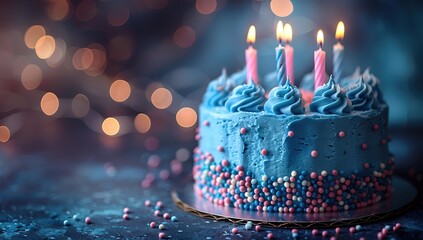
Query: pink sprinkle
pixel 325 233
pixel 88 220
pixel 314 153
pixel 376 127
pixel 315 232
pixel 335 172
pixel 362 238
pixel 380 235
pixel 258 228
pixel 341 134
pixel 153 225
pixel 147 203
pixel 243 130
pixel 364 146
pixel 166 216
pixel 270 236
pixel 162 235
pixel 126 210
pixel 164 174
pixel 153 161
pixel 338 230
pixel 398 225
pixel 159 204
pixel 264 151
pixel 333 238
pixel 385 231
pixel 156 213
pixel 352 230
pixel 313 175
pixel 206 123
pixel 294 230
pixel 290 134
pixel 220 148
pixel 235 230
pixel 225 163
pixel 125 216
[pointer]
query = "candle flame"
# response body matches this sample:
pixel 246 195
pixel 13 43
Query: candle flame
pixel 279 31
pixel 287 31
pixel 320 38
pixel 251 37
pixel 340 30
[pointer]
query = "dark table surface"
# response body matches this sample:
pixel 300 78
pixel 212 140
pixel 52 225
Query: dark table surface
pixel 98 177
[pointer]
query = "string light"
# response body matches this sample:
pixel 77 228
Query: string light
pixel 33 34
pixel 49 104
pixel 120 90
pixel 45 46
pixel 142 123
pixel 31 77
pixel 110 126
pixel 186 117
pixel 161 98
pixel 4 134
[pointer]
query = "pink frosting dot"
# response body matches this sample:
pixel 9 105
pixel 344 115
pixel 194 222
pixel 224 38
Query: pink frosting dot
pixel 290 133
pixel 225 163
pixel 352 230
pixel 156 213
pixel 235 230
pixel 264 151
pixel 341 134
pixel 364 146
pixel 162 235
pixel 325 233
pixel 166 216
pixel 315 232
pixel 314 153
pixel 88 220
pixel 243 130
pixel 220 148
pixel 270 236
pixel 153 225
pixel 338 230
pixel 258 228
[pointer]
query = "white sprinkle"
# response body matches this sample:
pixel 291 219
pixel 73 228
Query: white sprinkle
pixel 264 178
pixel 293 173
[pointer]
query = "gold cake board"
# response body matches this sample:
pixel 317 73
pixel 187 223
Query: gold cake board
pixel 401 199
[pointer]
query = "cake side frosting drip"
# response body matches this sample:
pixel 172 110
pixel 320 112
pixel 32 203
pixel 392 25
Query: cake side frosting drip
pixel 284 99
pixel 329 99
pixel 218 91
pixel 361 96
pixel 246 98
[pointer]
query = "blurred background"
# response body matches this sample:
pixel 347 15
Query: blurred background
pixel 74 73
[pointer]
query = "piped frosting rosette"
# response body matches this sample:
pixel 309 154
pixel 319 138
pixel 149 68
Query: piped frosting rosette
pixel 373 81
pixel 218 91
pixel 246 98
pixel 284 99
pixel 330 99
pixel 361 96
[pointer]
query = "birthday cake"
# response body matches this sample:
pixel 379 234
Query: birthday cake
pixel 275 152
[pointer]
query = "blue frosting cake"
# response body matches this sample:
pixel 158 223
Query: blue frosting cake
pixel 270 153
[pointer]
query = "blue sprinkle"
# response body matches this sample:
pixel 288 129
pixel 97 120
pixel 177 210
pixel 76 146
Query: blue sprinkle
pixel 294 235
pixel 174 219
pixel 66 223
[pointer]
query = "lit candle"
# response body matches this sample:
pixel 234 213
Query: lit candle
pixel 319 62
pixel 280 56
pixel 338 53
pixel 289 53
pixel 251 56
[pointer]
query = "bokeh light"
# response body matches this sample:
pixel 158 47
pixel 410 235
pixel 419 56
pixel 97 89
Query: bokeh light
pixel 161 98
pixel 4 134
pixel 33 34
pixel 31 77
pixel 186 117
pixel 110 126
pixel 142 123
pixel 58 9
pixel 118 17
pixel 155 4
pixel 49 104
pixel 281 8
pixel 58 55
pixel 83 58
pixel 80 105
pixel 99 62
pixel 206 6
pixel 184 37
pixel 86 10
pixel 45 46
pixel 120 90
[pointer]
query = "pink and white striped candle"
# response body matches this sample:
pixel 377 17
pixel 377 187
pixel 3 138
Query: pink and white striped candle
pixel 251 57
pixel 319 62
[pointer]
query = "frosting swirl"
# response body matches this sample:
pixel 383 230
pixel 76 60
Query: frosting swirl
pixel 361 96
pixel 217 91
pixel 284 99
pixel 373 81
pixel 330 99
pixel 246 98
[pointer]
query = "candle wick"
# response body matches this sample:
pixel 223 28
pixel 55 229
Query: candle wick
pixel 320 45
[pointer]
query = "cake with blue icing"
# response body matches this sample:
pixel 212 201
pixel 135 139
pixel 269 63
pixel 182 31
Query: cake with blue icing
pixel 275 152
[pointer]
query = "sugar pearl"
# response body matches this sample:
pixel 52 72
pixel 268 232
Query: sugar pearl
pixel 314 153
pixel 125 216
pixel 315 232
pixel 364 146
pixel 88 220
pixel 147 203
pixel 174 219
pixel 341 134
pixel 264 151
pixel 325 234
pixel 258 228
pixel 220 149
pixel 338 230
pixel 270 236
pixel 235 230
pixel 248 226
pixel 156 213
pixel 243 130
pixel 290 134
pixel 264 178
pixel 66 223
pixel 75 217
pixel 166 216
pixel 159 204
pixel 352 230
pixel 126 210
pixel 162 227
pixel 162 235
pixel 153 225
